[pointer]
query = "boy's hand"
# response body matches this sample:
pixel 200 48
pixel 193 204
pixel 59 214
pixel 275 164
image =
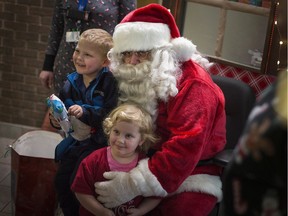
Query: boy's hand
pixel 75 110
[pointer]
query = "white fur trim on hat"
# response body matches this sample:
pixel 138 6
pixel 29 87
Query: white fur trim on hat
pixel 143 36
pixel 133 36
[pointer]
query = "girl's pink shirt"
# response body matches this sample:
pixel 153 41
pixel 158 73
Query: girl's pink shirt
pixel 116 166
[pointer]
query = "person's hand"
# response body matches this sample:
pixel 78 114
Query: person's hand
pixel 46 79
pixel 90 203
pixel 134 212
pixel 75 110
pixel 107 212
pixel 103 212
pixel 119 189
pixel 53 121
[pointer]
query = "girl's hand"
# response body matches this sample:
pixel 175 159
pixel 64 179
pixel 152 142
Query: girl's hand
pixel 75 110
pixel 108 212
pixel 134 212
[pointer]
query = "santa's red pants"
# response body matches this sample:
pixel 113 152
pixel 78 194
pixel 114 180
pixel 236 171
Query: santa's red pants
pixel 185 204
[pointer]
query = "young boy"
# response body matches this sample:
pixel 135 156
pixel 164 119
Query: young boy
pixel 89 94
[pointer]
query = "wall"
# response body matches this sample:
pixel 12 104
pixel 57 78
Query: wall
pixel 23 36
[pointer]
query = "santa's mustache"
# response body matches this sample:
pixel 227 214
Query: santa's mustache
pixel 132 73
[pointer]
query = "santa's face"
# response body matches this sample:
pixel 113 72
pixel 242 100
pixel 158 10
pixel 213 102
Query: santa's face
pixel 134 58
pixel 145 77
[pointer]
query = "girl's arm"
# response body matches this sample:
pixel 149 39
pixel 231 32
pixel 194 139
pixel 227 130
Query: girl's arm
pixel 90 203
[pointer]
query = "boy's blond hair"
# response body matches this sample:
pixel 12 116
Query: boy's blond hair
pixel 133 113
pixel 100 38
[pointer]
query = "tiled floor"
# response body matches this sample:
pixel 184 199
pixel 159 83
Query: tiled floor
pixel 5 177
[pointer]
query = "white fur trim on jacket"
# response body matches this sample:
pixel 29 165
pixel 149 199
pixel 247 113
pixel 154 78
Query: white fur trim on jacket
pixel 148 184
pixel 203 183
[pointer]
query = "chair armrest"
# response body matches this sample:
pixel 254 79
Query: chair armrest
pixel 223 157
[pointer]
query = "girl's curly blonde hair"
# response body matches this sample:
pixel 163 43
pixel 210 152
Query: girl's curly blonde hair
pixel 133 113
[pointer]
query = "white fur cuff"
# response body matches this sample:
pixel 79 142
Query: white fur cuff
pixel 145 180
pixel 203 183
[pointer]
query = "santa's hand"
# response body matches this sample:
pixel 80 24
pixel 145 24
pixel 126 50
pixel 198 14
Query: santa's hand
pixel 119 188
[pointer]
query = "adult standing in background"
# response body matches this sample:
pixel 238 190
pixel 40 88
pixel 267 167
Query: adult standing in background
pixel 70 19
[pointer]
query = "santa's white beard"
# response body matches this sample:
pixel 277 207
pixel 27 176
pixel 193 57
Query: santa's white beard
pixel 147 82
pixel 135 86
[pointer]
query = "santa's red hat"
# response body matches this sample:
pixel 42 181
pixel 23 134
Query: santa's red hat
pixel 151 27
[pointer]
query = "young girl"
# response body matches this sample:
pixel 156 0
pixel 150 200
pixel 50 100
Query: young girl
pixel 130 132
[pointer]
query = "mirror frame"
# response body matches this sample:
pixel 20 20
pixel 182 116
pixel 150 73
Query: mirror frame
pixel 178 10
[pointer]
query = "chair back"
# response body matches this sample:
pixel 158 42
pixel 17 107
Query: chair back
pixel 239 101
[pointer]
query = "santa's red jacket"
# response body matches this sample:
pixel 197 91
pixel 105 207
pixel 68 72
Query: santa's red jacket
pixel 192 128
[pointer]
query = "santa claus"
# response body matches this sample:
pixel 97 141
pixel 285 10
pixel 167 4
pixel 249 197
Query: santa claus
pixel 163 72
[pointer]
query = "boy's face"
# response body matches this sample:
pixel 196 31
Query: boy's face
pixel 87 60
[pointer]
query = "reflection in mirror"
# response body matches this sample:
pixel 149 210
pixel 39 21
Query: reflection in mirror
pixel 233 32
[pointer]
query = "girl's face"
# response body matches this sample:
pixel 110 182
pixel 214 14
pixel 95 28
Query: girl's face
pixel 124 139
pixel 87 60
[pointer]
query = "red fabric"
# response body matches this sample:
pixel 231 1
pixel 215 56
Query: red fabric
pixel 90 171
pixel 192 126
pixel 185 204
pixel 154 13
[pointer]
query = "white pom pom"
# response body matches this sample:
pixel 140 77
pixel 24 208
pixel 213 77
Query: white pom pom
pixel 186 50
pixel 183 48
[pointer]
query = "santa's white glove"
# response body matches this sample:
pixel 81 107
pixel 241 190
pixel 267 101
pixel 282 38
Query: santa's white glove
pixel 120 189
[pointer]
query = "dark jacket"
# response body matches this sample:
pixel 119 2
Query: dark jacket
pixel 97 101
